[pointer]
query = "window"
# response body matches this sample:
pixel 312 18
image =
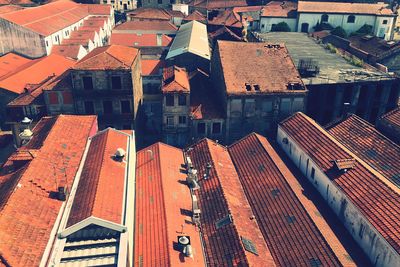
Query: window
pixel 47 43
pixel 89 107
pixel 53 97
pixel 169 100
pixel 107 107
pixel 170 120
pixel 216 128
pixel 224 221
pixel 125 106
pixel 201 128
pixel 384 22
pixel 182 119
pixel 160 1
pixel 87 82
pixel 249 245
pixel 361 232
pixel 312 173
pixel 324 18
pixel 351 19
pixel 266 106
pixel 182 100
pixel 116 82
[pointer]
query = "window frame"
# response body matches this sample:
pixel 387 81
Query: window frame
pixel 182 103
pixel 184 120
pixel 106 108
pixel 324 18
pixel 170 97
pixel 351 19
pixel 219 128
pixel 113 77
pixel 87 77
pixel 170 118
pixel 198 127
pixel 122 109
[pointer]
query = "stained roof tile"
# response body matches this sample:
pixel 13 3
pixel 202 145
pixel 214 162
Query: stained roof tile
pixel 361 138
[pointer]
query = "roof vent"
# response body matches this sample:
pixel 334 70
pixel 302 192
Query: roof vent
pixel 345 164
pixel 184 245
pixel 248 86
pixel 26 135
pixel 207 171
pixel 62 193
pixel 192 179
pixel 119 154
pixel 26 120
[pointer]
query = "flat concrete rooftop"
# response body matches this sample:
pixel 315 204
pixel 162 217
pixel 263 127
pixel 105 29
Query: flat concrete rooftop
pixel 333 67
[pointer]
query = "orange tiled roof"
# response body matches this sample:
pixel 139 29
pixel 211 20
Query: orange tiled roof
pixel 142 40
pixel 100 190
pixel 227 18
pixel 11 62
pixel 108 57
pixel 29 215
pixel 35 73
pixel 175 79
pixel 150 13
pixel 376 198
pixel 361 138
pixel 267 65
pixel 160 199
pixel 217 4
pixel 55 16
pixel 9 8
pixel 286 219
pixel 66 50
pixel 393 118
pixel 220 195
pixel 346 8
pixel 278 9
pixel 146 26
pixel 195 15
pixel 152 66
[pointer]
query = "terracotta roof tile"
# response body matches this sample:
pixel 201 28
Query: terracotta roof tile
pixel 227 18
pixel 152 66
pixel 278 9
pixel 35 73
pixel 219 196
pixel 139 40
pixel 146 26
pixel 346 8
pixel 162 202
pixel 50 18
pixel 175 80
pixel 108 57
pixel 150 13
pixel 361 138
pixel 195 15
pixel 217 4
pixel 376 198
pixel 11 62
pixel 9 8
pixel 67 50
pixel 28 217
pixel 267 65
pixel 393 118
pixel 285 219
pixel 100 190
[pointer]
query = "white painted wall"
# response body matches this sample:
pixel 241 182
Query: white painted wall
pixel 380 252
pixel 335 20
pixel 267 22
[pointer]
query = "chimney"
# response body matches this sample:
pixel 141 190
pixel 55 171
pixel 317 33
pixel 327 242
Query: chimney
pixel 207 171
pixel 159 39
pixel 62 193
pixel 119 154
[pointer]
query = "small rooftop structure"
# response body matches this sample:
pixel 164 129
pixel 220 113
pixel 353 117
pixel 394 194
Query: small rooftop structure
pixel 191 38
pixel 379 9
pixel 175 80
pixel 258 68
pixel 108 57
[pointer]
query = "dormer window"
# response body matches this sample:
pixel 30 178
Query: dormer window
pixel 324 18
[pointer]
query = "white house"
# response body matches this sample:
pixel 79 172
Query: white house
pixel 276 12
pixel 364 200
pixel 33 31
pixel 349 16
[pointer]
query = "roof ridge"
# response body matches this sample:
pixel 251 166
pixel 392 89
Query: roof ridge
pixel 107 52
